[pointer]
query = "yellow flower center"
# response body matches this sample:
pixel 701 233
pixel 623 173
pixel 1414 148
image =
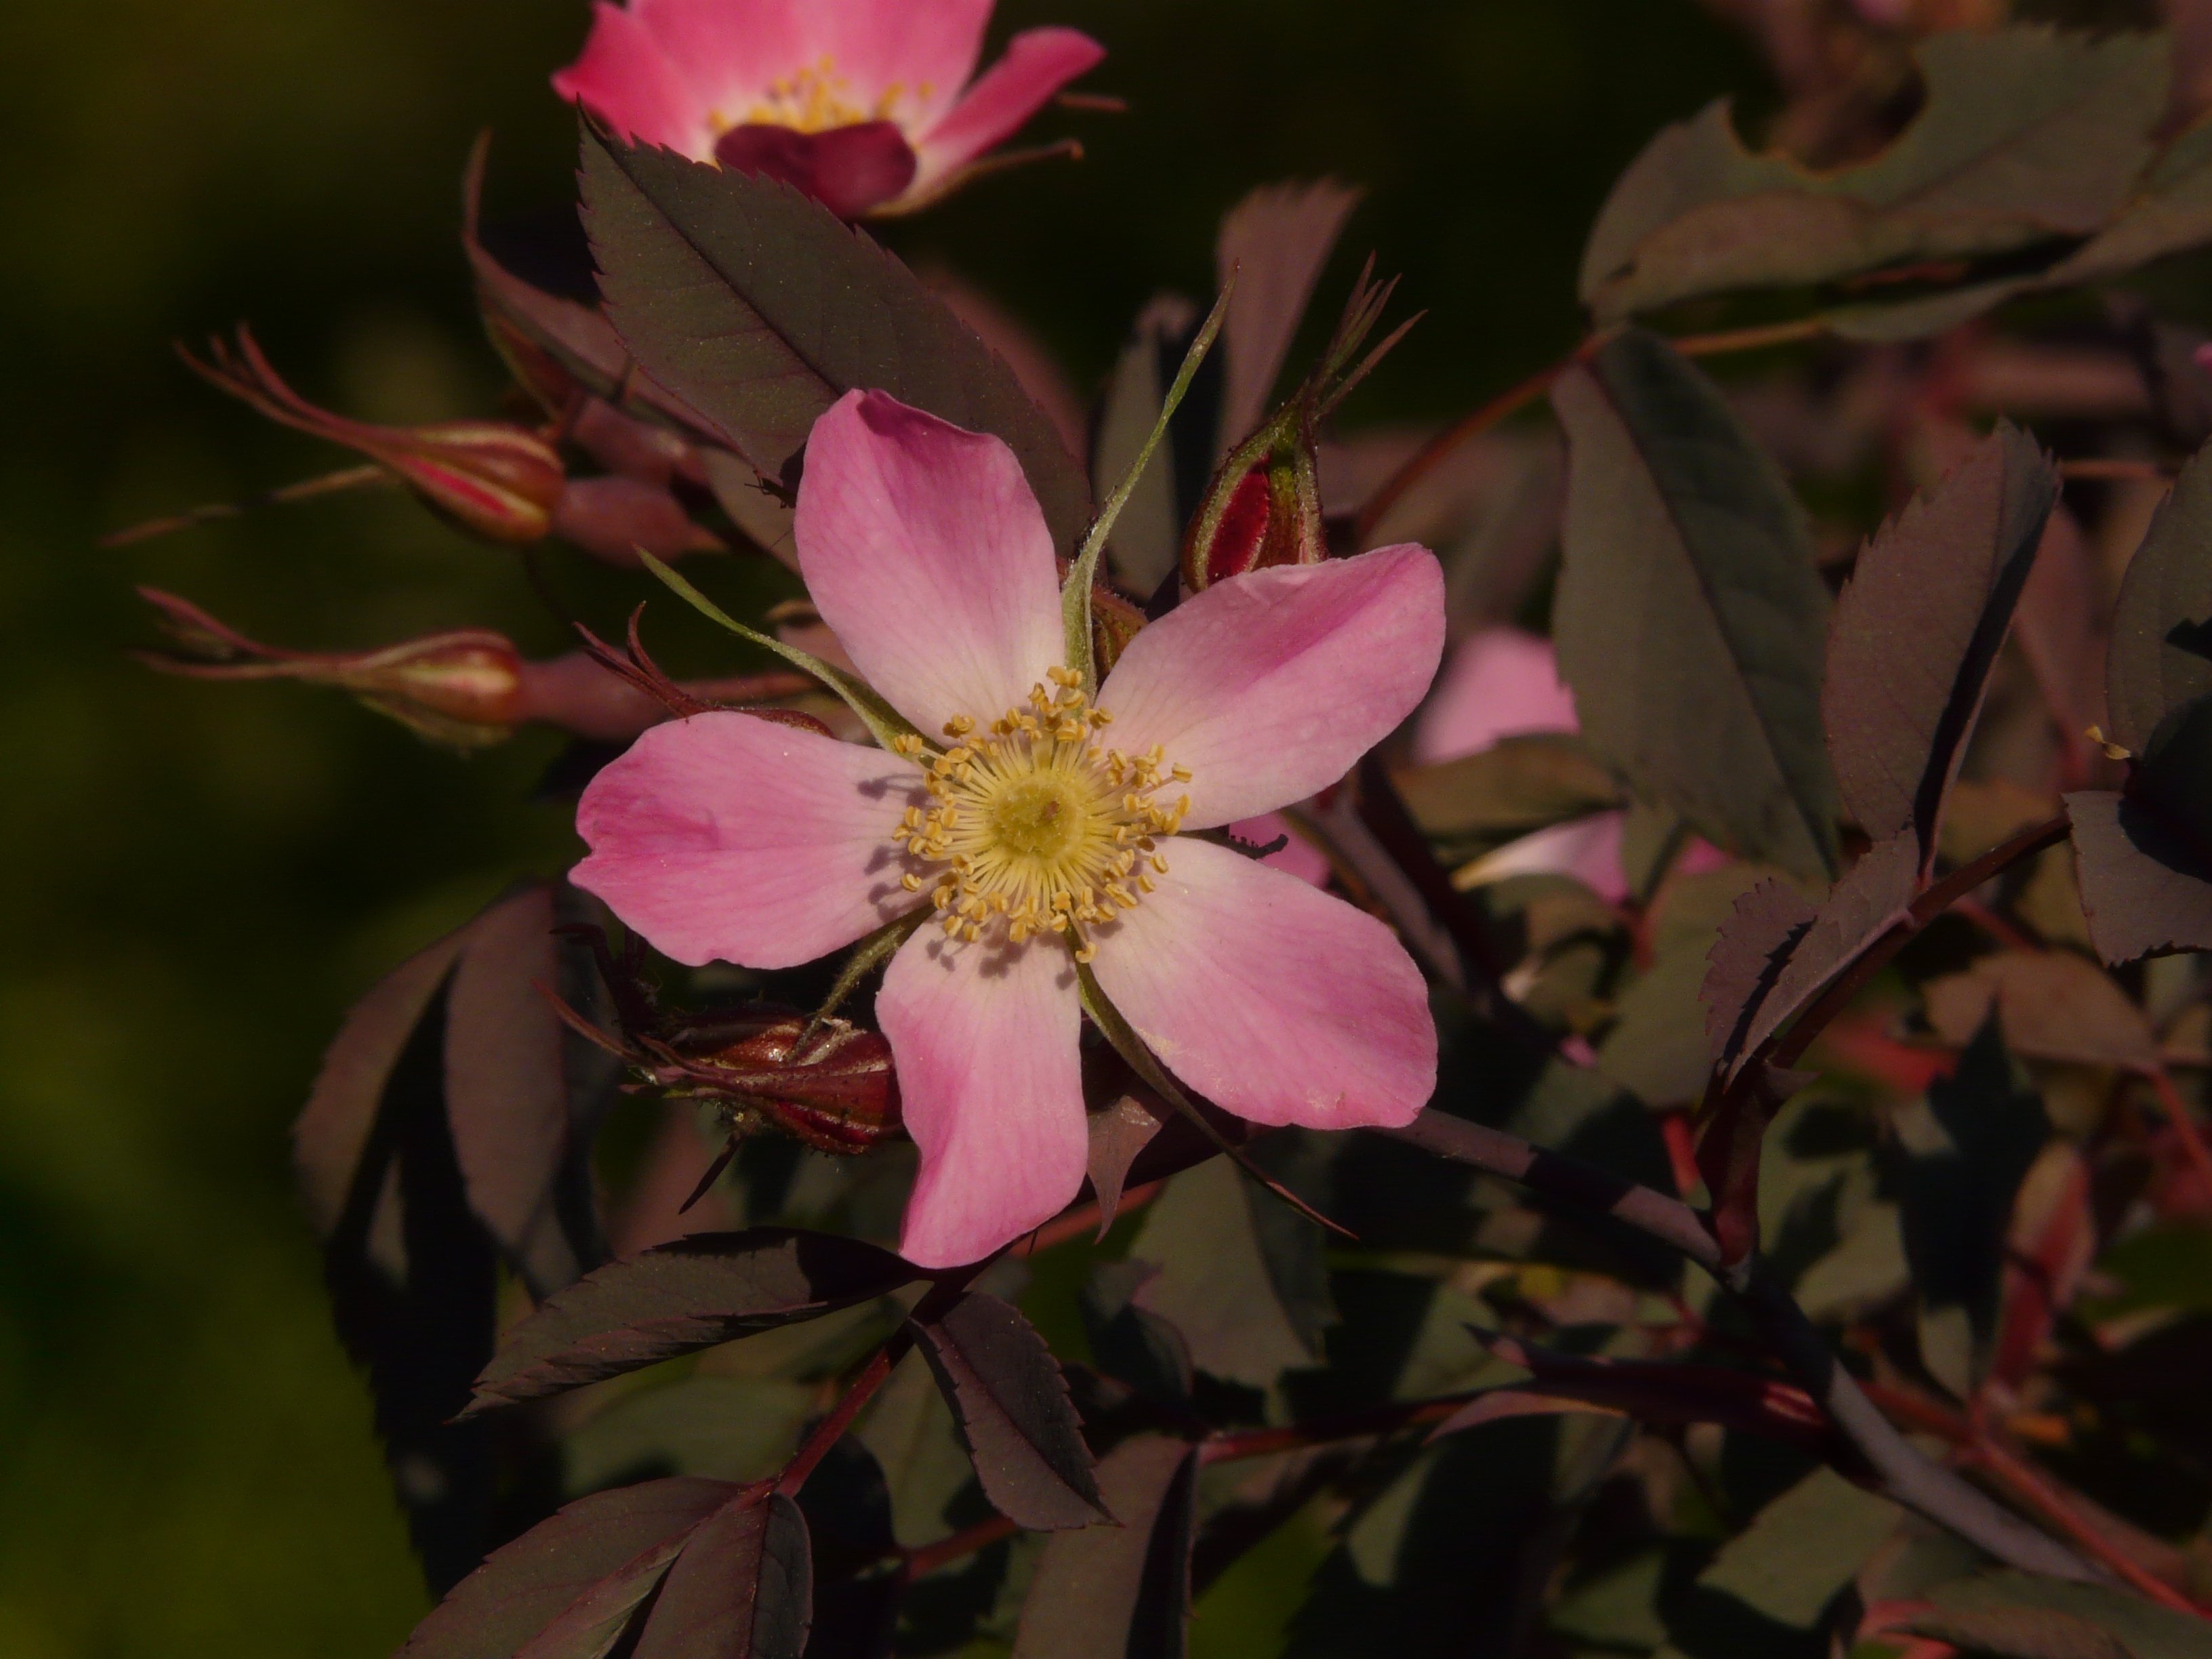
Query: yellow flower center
pixel 813 98
pixel 1038 826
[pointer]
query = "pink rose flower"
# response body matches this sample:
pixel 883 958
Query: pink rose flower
pixel 866 105
pixel 1502 683
pixel 1044 831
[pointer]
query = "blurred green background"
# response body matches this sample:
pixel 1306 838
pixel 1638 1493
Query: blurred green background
pixel 201 879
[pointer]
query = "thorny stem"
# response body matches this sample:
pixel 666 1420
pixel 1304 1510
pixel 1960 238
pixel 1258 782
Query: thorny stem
pixel 1906 1475
pixel 2185 1126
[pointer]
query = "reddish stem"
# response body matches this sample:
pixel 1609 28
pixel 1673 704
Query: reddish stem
pixel 2031 1488
pixel 1084 1219
pixel 831 1428
pixel 2185 1126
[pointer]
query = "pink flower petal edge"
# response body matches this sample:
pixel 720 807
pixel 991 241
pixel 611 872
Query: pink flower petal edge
pixel 929 558
pixel 986 1042
pixel 1500 683
pixel 1268 686
pixel 625 78
pixel 726 837
pixel 1038 64
pixel 1275 1001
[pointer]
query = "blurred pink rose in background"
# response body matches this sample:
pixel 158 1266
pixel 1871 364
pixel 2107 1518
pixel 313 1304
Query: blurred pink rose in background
pixel 869 105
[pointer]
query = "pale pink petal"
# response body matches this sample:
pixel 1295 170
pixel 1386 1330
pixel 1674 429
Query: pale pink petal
pixel 1588 849
pixel 1298 857
pixel 917 55
pixel 904 60
pixel 985 1039
pixel 1038 64
pixel 1275 1001
pixel 927 555
pixel 626 79
pixel 729 837
pixel 1268 686
pixel 1500 683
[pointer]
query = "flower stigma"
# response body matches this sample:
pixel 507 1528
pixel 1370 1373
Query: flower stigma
pixel 1040 827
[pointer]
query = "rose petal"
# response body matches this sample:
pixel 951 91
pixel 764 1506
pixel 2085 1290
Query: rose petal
pixel 848 170
pixel 919 56
pixel 928 557
pixel 728 837
pixel 1275 1001
pixel 1038 64
pixel 1268 686
pixel 625 78
pixel 1500 683
pixel 1588 849
pixel 1298 857
pixel 992 1086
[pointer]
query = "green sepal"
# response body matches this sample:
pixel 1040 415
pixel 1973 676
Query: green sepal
pixel 1075 594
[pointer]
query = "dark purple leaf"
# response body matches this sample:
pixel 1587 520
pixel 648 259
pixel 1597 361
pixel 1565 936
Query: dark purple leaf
pixel 1871 899
pixel 2144 888
pixel 2025 137
pixel 1917 631
pixel 2062 627
pixel 2053 1006
pixel 1011 1403
pixel 437 1139
pixel 742 1588
pixel 680 1297
pixel 1968 1148
pixel 1117 1135
pixel 760 308
pixel 508 1088
pixel 595 1559
pixel 1690 616
pixel 1749 956
pixel 1121 1591
pixel 2161 651
pixel 574 340
pixel 2050 1619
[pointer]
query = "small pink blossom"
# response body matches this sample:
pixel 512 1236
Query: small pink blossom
pixel 1043 829
pixel 1500 684
pixel 871 105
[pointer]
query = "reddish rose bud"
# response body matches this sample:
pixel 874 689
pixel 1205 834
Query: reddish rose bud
pixel 500 481
pixel 1264 506
pixel 835 1090
pixel 468 689
pixel 614 519
pixel 462 689
pixel 1262 509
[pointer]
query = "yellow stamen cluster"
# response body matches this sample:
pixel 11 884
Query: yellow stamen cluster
pixel 1039 826
pixel 814 98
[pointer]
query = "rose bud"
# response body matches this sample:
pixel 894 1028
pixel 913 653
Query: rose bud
pixel 498 480
pixel 614 519
pixel 469 688
pixel 462 688
pixel 835 1090
pixel 1263 508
